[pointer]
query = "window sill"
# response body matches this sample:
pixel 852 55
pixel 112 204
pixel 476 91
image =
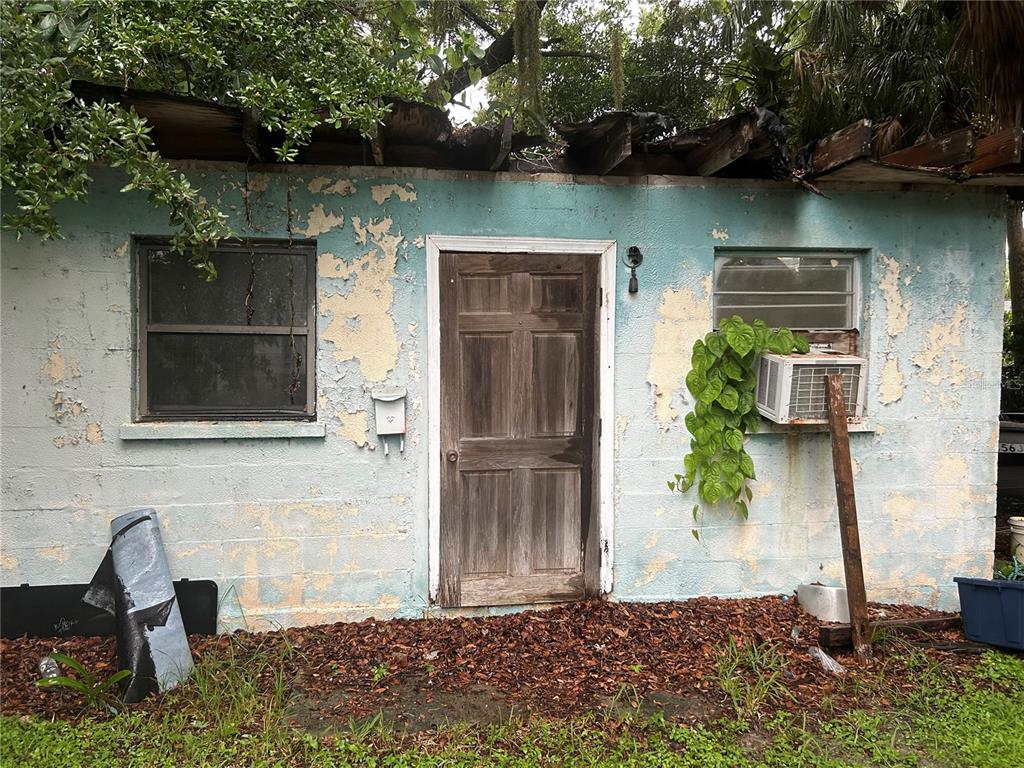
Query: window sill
pixel 771 428
pixel 221 430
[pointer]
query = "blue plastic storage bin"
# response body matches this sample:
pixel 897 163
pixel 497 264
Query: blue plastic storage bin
pixel 992 611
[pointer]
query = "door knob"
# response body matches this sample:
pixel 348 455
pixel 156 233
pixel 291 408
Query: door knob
pixel 453 455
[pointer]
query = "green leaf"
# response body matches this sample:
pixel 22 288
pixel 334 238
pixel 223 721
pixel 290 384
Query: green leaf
pixel 696 511
pixel 711 490
pixel 695 533
pixel 696 382
pixel 692 422
pixel 671 485
pixel 746 403
pixel 741 338
pixel 747 466
pixel 734 440
pixel 710 392
pixel 801 345
pixel 732 367
pixel 751 422
pixel 67 661
pixel 743 509
pixel 715 343
pixel 475 75
pixel 690 463
pixel 65 682
pixel 729 397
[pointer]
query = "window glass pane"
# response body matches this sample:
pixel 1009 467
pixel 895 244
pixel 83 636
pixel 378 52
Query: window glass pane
pixel 226 372
pixel 784 273
pixel 806 318
pixel 252 288
pixel 810 292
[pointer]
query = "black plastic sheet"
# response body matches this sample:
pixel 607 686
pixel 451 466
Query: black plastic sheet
pixel 133 584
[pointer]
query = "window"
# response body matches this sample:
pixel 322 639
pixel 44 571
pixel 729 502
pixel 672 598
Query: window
pixel 240 346
pixel 806 290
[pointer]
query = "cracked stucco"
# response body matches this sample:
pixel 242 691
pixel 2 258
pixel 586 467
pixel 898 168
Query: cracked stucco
pixel 355 427
pixel 321 185
pixel 381 193
pixel 941 337
pixel 373 339
pixel 319 221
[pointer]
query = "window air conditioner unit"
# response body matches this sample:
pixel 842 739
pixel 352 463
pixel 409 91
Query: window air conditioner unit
pixel 792 389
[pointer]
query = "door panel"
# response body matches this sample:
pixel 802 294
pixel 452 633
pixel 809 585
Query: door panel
pixel 555 511
pixel 518 427
pixel 486 372
pixel 486 508
pixel 555 384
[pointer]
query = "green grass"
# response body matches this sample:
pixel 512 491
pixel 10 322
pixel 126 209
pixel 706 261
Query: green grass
pixel 233 713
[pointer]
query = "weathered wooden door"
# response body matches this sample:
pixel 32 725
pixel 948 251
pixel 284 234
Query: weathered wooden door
pixel 519 428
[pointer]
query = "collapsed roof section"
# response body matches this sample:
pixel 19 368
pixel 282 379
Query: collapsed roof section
pixel 750 144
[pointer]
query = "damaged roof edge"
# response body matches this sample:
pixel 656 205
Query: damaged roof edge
pixel 749 145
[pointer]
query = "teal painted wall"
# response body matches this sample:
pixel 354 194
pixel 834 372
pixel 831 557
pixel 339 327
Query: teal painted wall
pixel 322 529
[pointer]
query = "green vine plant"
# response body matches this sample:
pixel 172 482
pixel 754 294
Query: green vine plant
pixel 722 381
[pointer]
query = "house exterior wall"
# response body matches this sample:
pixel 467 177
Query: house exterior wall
pixel 319 529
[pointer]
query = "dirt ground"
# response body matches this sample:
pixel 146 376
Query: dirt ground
pixel 561 662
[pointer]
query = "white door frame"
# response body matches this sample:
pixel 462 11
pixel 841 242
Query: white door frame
pixel 604 251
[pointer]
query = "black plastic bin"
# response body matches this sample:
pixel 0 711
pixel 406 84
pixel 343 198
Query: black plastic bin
pixel 992 611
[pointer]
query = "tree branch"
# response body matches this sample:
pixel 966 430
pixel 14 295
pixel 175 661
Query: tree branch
pixel 500 52
pixel 559 54
pixel 477 19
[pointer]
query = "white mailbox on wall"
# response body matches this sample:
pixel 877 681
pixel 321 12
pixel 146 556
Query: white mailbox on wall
pixel 389 414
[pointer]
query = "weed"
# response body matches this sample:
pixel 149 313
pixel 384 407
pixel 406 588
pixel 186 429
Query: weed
pixel 379 672
pixel 1002 669
pixel 750 674
pixel 98 693
pixel 628 695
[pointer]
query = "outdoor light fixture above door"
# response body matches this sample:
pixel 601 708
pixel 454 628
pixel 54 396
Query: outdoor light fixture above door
pixel 633 260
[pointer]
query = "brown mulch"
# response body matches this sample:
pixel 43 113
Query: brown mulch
pixel 564 661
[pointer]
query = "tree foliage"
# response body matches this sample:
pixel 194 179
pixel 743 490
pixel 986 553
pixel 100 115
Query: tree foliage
pixel 294 64
pixel 670 61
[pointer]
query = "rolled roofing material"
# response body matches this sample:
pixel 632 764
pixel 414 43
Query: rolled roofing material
pixel 133 583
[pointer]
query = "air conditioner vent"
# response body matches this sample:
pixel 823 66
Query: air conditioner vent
pixel 792 388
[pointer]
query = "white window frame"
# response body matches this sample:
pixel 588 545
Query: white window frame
pixel 854 255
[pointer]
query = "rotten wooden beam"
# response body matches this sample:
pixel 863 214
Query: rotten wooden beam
pixel 727 143
pixel 841 635
pixel 600 147
pixel 945 151
pixel 844 146
pixel 997 150
pixel 849 535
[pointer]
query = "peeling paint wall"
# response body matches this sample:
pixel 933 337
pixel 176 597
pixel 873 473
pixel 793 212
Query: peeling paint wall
pixel 322 529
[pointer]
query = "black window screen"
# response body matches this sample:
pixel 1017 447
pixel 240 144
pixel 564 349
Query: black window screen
pixel 242 345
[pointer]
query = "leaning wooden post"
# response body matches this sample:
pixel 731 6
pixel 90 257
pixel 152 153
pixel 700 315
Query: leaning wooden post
pixel 856 596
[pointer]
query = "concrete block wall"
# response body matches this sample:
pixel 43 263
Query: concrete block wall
pixel 309 530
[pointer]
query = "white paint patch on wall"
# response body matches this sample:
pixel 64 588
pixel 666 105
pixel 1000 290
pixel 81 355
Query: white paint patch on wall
pixel 890 388
pixel 683 317
pixel 897 307
pixel 381 193
pixel 319 221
